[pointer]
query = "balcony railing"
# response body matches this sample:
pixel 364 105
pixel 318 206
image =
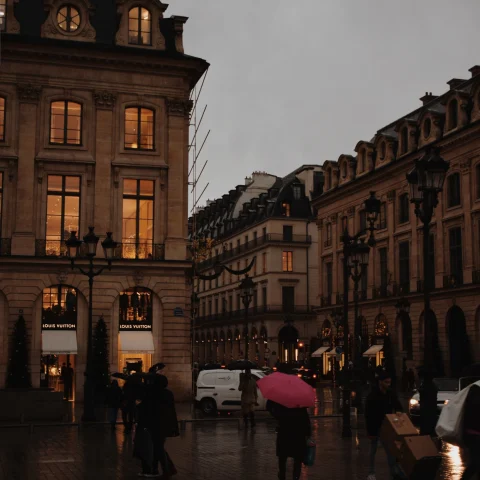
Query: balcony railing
pixel 453 280
pixel 254 312
pixel 5 247
pixel 256 242
pixel 326 301
pixel 124 251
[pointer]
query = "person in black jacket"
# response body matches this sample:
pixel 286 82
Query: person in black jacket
pixel 471 426
pixel 380 402
pixel 157 416
pixel 114 401
pixel 292 432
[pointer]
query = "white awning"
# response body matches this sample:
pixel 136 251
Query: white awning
pixel 136 342
pixel 319 352
pixel 373 350
pixel 57 342
pixel 332 353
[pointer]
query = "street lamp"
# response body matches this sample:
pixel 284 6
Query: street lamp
pixel 426 182
pixel 355 256
pixel 73 246
pixel 246 286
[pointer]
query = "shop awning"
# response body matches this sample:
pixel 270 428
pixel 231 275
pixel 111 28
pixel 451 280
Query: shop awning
pixel 136 342
pixel 373 350
pixel 58 342
pixel 319 352
pixel 331 353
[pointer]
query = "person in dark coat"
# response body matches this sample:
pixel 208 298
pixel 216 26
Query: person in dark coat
pixel 131 393
pixel 471 426
pixel 114 398
pixel 380 402
pixel 157 416
pixel 292 432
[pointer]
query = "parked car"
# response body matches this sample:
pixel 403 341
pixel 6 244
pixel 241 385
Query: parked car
pixel 307 375
pixel 447 389
pixel 218 390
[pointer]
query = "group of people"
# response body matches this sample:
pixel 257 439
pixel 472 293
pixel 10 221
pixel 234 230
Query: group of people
pixel 150 405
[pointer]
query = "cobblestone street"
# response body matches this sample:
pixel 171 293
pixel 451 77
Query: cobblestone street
pixel 213 451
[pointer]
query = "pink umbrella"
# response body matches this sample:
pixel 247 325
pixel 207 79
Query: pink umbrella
pixel 287 390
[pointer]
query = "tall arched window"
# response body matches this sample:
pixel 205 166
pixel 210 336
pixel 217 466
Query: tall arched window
pixel 65 123
pixel 404 140
pixel 452 114
pixel 139 128
pixel 2 119
pixel 139 26
pixel 453 190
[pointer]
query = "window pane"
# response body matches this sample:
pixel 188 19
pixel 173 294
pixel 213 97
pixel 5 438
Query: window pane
pixel 134 12
pixel 54 216
pixel 131 126
pixel 146 129
pixel 146 38
pixel 70 225
pixel 129 187
pixel 146 209
pixel 57 122
pixel 72 184
pixel 146 187
pixel 72 205
pixel 145 231
pixel 54 183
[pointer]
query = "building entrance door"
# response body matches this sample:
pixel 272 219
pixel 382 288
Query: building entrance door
pixel 57 372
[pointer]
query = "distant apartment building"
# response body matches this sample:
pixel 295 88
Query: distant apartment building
pixel 268 219
pixel 451 123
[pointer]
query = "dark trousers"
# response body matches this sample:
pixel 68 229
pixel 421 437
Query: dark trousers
pixel 161 456
pixel 473 465
pixel 282 466
pixel 67 389
pixel 251 415
pixel 128 416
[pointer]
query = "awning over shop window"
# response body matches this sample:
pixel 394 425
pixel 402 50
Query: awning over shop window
pixel 136 342
pixel 373 350
pixel 58 342
pixel 331 353
pixel 320 352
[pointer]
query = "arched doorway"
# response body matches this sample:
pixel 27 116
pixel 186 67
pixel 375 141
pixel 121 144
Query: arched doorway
pixel 459 344
pixel 288 340
pixel 59 339
pixel 404 335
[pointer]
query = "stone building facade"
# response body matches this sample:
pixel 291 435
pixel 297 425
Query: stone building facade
pixel 267 221
pixel 94 128
pixel 451 123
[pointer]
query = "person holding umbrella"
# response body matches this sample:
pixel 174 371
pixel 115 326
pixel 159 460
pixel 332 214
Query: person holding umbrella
pixel 288 399
pixel 249 398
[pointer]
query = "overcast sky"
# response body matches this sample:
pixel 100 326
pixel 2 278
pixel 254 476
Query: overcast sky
pixel 301 81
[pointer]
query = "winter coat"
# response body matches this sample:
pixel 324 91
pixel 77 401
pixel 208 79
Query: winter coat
pixel 378 405
pixel 293 429
pixel 114 397
pixel 248 387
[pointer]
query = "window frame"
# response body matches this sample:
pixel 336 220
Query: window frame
pixel 287 261
pixel 403 219
pixel 451 191
pixel 65 124
pixel 139 109
pixel 3 118
pixel 139 27
pixel 69 6
pixel 404 259
pixel 452 114
pixel 454 250
pixel 382 217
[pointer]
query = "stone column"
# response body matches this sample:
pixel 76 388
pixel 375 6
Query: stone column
pixel 177 191
pixel 392 220
pixel 23 238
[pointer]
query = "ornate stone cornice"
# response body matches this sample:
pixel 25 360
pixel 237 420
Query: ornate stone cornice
pixel 179 108
pixel 29 93
pixel 465 165
pixel 105 100
pixel 351 211
pixel 391 196
pixel 334 217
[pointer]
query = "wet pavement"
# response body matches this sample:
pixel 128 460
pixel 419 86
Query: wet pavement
pixel 204 451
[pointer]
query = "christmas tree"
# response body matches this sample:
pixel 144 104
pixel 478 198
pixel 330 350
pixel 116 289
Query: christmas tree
pixel 18 374
pixel 101 367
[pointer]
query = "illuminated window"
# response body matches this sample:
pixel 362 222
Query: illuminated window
pixel 287 261
pixel 135 309
pixel 2 119
pixel 1 202
pixel 63 212
pixel 139 26
pixel 264 262
pixel 139 128
pixel 68 18
pixel 65 123
pixel 138 198
pixel 59 305
pixel 286 209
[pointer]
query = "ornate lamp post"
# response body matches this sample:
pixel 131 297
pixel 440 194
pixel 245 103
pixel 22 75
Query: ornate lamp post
pixel 426 182
pixel 355 255
pixel 73 245
pixel 246 286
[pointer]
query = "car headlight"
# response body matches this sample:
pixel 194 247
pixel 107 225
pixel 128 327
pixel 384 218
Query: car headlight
pixel 413 402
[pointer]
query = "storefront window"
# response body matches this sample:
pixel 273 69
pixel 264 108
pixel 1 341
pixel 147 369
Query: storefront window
pixel 59 308
pixel 63 212
pixel 138 198
pixel 136 309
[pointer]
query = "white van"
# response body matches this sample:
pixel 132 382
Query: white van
pixel 218 390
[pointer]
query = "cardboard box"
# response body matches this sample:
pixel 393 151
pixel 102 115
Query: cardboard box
pixel 420 455
pixel 394 429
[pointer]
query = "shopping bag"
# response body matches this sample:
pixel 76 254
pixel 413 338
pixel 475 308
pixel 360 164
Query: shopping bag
pixel 450 424
pixel 310 451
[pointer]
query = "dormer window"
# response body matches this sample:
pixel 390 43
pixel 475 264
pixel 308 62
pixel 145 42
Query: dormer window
pixel 404 140
pixel 383 150
pixel 297 192
pixel 452 114
pixel 427 127
pixel 344 170
pixel 68 18
pixel 139 26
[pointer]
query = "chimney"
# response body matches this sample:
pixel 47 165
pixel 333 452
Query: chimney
pixel 455 82
pixel 428 97
pixel 475 70
pixel 248 180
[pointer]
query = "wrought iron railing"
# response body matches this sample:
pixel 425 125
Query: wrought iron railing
pixel 5 247
pixel 453 280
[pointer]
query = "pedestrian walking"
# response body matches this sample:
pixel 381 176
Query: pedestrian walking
pixel 157 420
pixel 114 401
pixel 249 398
pixel 67 381
pixel 471 422
pixel 131 393
pixel 381 401
pixel 292 432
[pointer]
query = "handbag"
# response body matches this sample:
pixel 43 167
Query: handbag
pixel 310 451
